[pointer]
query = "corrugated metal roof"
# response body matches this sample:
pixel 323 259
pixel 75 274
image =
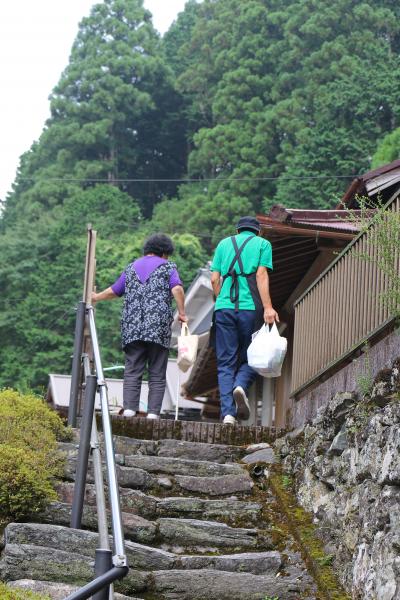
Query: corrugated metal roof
pixel 328 220
pixel 358 186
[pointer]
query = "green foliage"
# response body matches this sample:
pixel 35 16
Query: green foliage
pixel 287 481
pixel 260 102
pixel 325 560
pixel 381 226
pixel 388 149
pixel 8 593
pixel 364 376
pixel 289 91
pixel 29 459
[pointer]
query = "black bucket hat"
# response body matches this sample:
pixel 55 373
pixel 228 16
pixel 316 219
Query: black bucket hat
pixel 249 223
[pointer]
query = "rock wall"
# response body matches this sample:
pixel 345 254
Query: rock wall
pixel 345 466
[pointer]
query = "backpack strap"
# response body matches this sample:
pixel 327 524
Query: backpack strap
pixel 234 290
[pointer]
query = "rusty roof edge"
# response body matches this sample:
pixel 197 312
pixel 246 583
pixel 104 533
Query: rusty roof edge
pixel 312 229
pixel 359 182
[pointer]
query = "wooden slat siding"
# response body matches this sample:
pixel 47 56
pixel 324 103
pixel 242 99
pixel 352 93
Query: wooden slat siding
pixel 336 309
pixel 369 313
pixel 325 317
pixel 353 300
pixel 345 320
pixel 340 310
pixel 331 316
pixel 367 291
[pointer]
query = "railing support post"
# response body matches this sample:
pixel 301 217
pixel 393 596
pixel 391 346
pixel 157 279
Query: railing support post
pixel 76 363
pixel 84 449
pixel 102 564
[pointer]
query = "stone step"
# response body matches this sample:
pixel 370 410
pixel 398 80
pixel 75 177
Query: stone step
pixel 140 557
pixel 162 464
pixel 206 585
pixel 127 476
pixel 151 507
pixel 49 564
pixel 136 528
pixel 182 466
pixel 78 541
pixel 227 509
pixel 53 590
pixel 220 453
pixel 176 534
pixel 216 486
pixel 26 561
pixel 258 563
pixel 137 478
pixel 179 534
pixel 133 501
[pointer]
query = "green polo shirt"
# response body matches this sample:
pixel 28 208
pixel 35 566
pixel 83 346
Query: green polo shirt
pixel 256 253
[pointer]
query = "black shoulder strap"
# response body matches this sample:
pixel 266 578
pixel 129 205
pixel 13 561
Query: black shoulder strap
pixel 238 251
pixel 234 291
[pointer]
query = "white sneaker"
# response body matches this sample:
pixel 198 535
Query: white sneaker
pixel 127 412
pixel 153 416
pixel 229 420
pixel 242 403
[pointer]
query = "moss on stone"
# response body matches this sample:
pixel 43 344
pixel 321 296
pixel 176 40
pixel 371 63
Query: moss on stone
pixel 8 593
pixel 297 522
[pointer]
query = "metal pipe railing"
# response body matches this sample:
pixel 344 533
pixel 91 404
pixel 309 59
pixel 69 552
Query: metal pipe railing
pixel 108 567
pixel 119 558
pixel 98 584
pixel 84 449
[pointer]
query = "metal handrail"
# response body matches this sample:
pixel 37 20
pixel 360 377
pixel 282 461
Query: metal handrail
pixel 108 570
pixel 120 557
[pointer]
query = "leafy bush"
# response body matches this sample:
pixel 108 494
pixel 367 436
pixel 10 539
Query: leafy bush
pixel 29 458
pixel 7 593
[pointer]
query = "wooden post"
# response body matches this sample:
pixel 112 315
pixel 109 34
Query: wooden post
pixel 88 287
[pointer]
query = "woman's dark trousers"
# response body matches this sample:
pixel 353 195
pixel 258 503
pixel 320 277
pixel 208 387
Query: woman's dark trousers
pixel 138 355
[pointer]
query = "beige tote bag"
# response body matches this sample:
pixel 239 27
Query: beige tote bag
pixel 187 348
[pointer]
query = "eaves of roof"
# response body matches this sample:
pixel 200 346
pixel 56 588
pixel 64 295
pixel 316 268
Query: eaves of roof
pixel 358 185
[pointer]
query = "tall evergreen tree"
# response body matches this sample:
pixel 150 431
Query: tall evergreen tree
pixel 298 91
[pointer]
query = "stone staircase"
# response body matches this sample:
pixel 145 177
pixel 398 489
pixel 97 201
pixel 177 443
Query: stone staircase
pixel 198 526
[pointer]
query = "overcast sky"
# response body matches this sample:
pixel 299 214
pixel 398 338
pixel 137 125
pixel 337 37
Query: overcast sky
pixel 35 41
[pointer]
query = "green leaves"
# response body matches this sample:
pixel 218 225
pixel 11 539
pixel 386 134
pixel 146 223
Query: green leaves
pixel 262 102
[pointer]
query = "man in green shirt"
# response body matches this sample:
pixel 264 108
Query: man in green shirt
pixel 241 286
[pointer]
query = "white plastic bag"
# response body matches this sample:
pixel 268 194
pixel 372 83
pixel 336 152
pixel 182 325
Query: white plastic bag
pixel 267 351
pixel 187 348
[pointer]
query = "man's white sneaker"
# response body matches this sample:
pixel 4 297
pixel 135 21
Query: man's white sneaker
pixel 229 420
pixel 242 403
pixel 153 416
pixel 127 412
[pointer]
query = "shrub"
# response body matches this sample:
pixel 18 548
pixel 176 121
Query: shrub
pixel 29 459
pixel 7 593
pixel 25 485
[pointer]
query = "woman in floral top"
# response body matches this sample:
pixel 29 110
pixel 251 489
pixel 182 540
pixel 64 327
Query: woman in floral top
pixel 148 285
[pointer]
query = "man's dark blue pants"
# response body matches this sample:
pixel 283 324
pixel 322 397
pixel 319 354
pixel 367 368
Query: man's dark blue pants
pixel 233 337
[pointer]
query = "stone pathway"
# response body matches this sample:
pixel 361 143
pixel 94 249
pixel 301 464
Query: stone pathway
pixel 197 527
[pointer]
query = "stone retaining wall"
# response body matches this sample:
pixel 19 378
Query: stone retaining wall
pixel 345 466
